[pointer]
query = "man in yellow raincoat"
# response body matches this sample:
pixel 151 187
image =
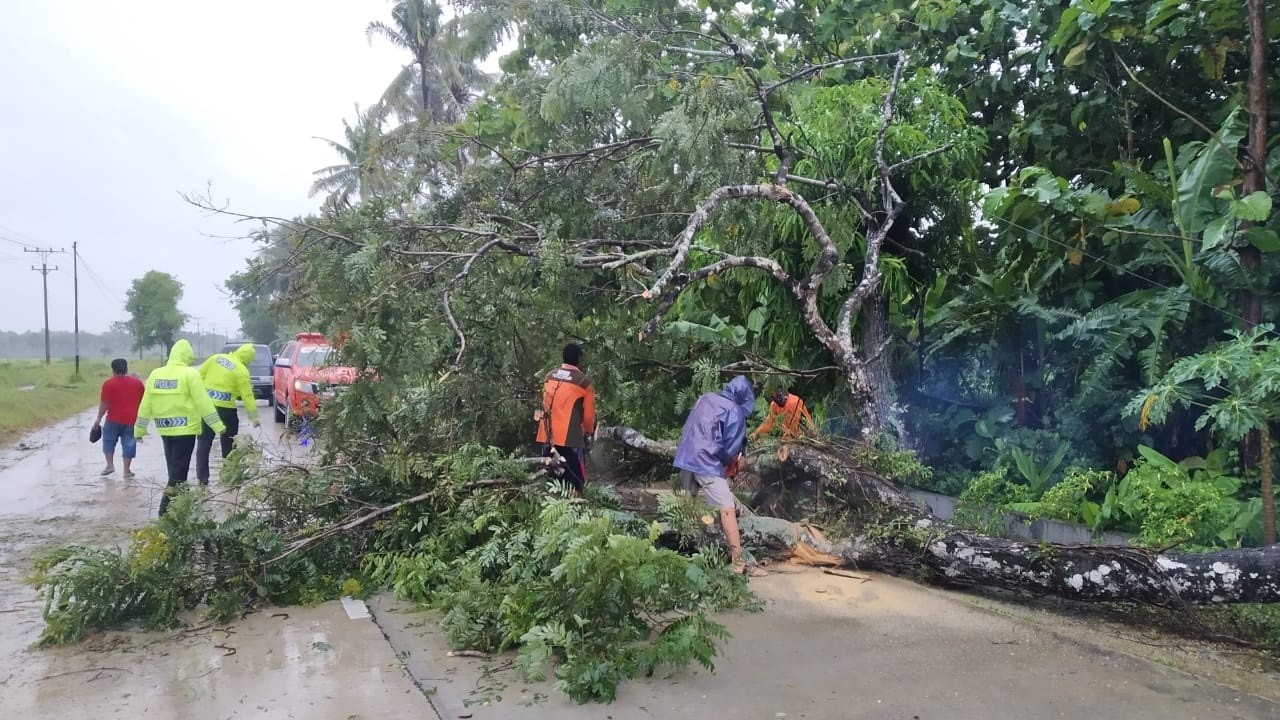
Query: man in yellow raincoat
pixel 226 379
pixel 176 400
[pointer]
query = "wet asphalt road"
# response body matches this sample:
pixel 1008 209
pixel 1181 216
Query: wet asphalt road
pixel 313 662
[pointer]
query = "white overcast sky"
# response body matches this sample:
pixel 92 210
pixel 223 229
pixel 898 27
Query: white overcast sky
pixel 109 109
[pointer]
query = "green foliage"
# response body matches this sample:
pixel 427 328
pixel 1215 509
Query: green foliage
pixel 580 587
pixel 1237 383
pixel 152 304
pixel 1167 504
pixel 566 583
pixel 189 557
pixel 1259 623
pixel 683 513
pixel 985 501
pixel 1070 499
pixel 900 466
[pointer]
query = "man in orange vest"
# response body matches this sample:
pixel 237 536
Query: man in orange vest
pixel 567 419
pixel 791 410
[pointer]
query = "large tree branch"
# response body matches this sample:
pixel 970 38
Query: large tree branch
pixel 815 69
pixel 895 534
pixel 447 295
pixel 768 265
pixel 876 232
pixel 596 153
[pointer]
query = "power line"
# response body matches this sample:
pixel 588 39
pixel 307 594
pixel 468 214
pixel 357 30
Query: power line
pixel 23 241
pixel 22 245
pixel 108 293
pixel 24 236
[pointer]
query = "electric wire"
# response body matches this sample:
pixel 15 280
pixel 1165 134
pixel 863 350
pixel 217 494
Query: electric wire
pixel 95 279
pixel 22 245
pixel 22 240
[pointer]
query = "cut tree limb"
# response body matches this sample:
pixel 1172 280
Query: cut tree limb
pixel 894 534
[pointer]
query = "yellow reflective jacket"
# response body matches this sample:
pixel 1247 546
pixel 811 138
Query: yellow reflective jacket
pixel 175 398
pixel 226 378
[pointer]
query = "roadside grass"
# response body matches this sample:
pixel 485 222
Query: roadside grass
pixel 33 395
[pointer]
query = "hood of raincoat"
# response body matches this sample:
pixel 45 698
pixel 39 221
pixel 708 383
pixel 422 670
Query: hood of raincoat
pixel 739 391
pixel 245 354
pixel 181 354
pixel 716 429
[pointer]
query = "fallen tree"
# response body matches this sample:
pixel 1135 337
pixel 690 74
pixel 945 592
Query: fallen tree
pixel 888 531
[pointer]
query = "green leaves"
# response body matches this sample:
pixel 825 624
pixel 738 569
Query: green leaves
pixel 718 331
pixel 1254 207
pixel 1236 383
pixel 1076 55
pixel 1200 169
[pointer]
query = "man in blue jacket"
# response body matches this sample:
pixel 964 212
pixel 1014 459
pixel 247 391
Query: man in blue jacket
pixel 713 438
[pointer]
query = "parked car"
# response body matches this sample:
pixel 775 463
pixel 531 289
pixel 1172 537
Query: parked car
pixel 304 378
pixel 261 370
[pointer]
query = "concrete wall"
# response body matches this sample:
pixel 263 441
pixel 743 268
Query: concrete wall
pixel 1018 525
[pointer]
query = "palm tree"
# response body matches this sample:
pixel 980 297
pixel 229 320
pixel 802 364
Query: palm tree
pixel 445 55
pixel 364 168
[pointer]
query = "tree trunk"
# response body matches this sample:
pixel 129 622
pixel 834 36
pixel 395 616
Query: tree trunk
pixel 1255 160
pixel 424 88
pixel 890 532
pixel 1267 490
pixel 875 339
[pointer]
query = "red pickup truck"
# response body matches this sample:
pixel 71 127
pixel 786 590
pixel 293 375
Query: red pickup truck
pixel 304 378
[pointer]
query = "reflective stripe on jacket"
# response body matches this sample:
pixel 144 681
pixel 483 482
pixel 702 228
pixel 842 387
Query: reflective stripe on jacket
pixel 226 379
pixel 175 398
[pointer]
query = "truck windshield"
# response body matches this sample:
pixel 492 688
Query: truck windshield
pixel 313 356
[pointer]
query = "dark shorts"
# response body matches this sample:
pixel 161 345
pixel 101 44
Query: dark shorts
pixel 575 466
pixel 113 431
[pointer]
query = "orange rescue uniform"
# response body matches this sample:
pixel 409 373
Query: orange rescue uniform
pixel 568 408
pixel 791 412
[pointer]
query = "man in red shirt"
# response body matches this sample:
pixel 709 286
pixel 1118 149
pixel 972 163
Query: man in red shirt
pixel 121 395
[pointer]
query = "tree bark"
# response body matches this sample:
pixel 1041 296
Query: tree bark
pixel 1255 161
pixel 423 85
pixel 875 339
pixel 1266 481
pixel 890 532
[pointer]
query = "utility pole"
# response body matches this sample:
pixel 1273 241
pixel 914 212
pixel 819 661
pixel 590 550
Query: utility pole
pixel 44 271
pixel 75 284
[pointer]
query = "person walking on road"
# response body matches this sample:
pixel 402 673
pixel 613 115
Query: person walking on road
pixel 567 419
pixel 710 449
pixel 176 399
pixel 226 379
pixel 118 403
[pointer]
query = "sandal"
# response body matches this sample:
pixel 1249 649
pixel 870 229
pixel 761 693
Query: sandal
pixel 750 571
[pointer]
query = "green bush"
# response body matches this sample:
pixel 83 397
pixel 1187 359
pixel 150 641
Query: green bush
pixel 983 504
pixel 567 584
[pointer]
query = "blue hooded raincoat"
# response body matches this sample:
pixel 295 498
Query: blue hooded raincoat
pixel 716 429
